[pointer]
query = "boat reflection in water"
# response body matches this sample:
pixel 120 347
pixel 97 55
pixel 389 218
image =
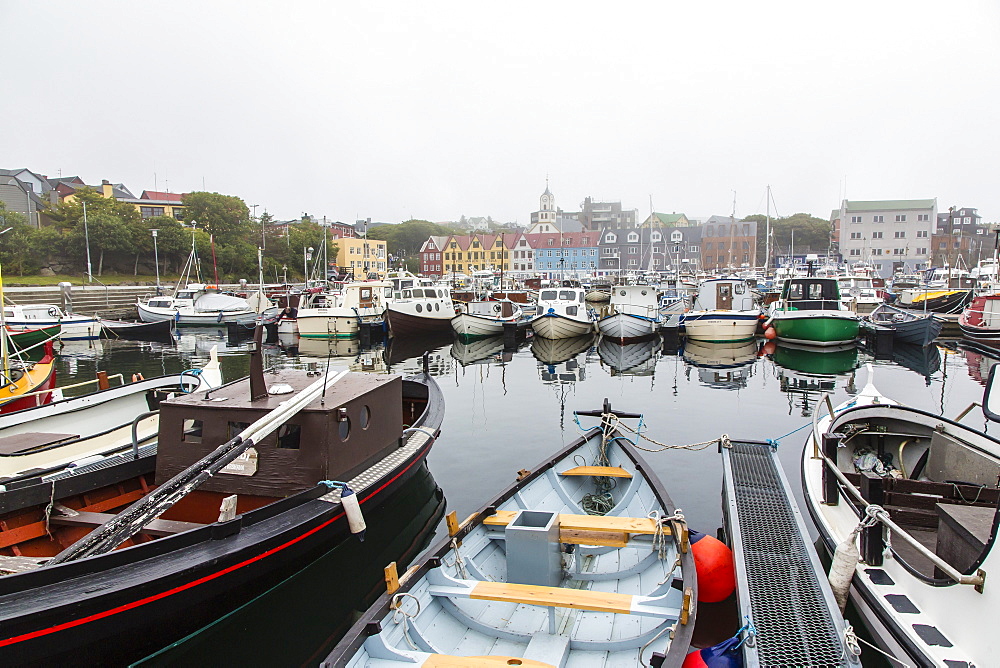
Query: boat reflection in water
pixel 813 359
pixel 925 360
pixel 979 363
pixel 403 353
pixel 480 351
pixel 312 609
pixel 629 359
pixel 723 365
pixel 561 364
pixel 806 373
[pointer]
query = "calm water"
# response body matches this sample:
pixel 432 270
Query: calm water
pixel 507 410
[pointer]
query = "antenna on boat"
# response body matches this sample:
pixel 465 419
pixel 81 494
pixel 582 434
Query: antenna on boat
pixel 258 388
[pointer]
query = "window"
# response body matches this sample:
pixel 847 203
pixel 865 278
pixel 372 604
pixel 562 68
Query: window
pixel 633 237
pixel 610 238
pixel 855 251
pixel 876 251
pixel 236 428
pixel 655 236
pixel 676 236
pixel 900 234
pixel 693 249
pixel 709 231
pixel 633 262
pixel 855 219
pixel 923 217
pixel 191 432
pixel 708 246
pixel 632 250
pixel 899 251
pixel 151 211
pixel 901 218
pixel 876 235
pixel 593 251
pixel 289 436
pixel 921 234
pixel 967 220
pixel 921 251
pixel 878 219
pixel 550 241
pixel 855 235
pixel 178 213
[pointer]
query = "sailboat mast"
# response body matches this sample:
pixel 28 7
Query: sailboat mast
pixel 3 333
pixel 767 239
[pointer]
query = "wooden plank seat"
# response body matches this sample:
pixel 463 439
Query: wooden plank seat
pixel 599 471
pixel 441 584
pixel 20 443
pixel 154 528
pixel 449 661
pixel 602 530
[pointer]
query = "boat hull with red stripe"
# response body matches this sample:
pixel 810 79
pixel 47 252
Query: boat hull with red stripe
pixel 175 577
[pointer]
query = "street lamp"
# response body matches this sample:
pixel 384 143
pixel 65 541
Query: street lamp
pixel 284 274
pixel 156 259
pixel 307 255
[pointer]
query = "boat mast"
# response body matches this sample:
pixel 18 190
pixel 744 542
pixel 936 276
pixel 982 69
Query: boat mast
pixel 3 333
pixel 767 237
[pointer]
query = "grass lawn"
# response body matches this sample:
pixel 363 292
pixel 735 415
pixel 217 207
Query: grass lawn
pixel 107 279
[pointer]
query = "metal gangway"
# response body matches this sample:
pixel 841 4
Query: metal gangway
pixel 782 590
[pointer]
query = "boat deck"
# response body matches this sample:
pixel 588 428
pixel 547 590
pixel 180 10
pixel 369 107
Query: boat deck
pixel 782 588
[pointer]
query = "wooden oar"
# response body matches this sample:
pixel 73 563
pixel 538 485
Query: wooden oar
pixel 130 521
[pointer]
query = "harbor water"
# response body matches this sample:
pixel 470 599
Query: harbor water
pixel 507 409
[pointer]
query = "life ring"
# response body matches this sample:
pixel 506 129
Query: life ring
pixel 497 308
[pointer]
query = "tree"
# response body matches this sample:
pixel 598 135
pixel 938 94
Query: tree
pixel 407 237
pixel 226 217
pixel 812 234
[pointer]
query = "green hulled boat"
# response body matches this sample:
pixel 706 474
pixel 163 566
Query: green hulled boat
pixel 32 337
pixel 807 359
pixel 809 312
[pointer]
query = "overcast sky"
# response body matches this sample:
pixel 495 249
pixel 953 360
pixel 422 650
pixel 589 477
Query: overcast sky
pixel 392 110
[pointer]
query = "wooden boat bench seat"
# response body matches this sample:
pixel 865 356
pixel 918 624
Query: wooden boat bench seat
pixel 449 661
pixel 441 584
pixel 914 502
pixel 599 471
pixel 19 443
pixel 154 528
pixel 602 530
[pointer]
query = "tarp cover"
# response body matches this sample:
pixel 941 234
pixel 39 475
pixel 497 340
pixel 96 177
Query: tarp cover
pixel 214 301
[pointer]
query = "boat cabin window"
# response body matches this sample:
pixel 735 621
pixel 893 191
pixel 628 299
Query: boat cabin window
pixel 417 293
pixel 388 292
pixel 568 295
pixel 406 284
pixel 548 295
pixel 572 310
pixel 8 313
pixel 185 295
pixel 236 428
pixel 406 294
pixel 289 436
pixel 739 288
pixel 192 431
pixel 159 303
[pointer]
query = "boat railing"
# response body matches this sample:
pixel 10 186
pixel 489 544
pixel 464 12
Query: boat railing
pixel 872 512
pixel 118 376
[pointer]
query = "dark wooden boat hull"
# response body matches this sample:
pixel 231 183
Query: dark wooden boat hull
pixel 953 302
pixel 121 606
pixel 402 324
pixel 115 329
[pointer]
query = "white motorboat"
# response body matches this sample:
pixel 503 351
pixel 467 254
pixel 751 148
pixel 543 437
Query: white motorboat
pixel 724 311
pixel 22 317
pixel 562 313
pixel 920 489
pixel 485 318
pixel 340 316
pixel 58 442
pixel 633 313
pixel 201 305
pixel 859 294
pixel 418 306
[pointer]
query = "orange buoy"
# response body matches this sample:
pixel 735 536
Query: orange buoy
pixel 770 334
pixel 769 348
pixel 713 561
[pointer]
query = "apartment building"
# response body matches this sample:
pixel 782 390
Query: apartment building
pixel 891 234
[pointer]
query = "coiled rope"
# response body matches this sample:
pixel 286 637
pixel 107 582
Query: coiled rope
pixel 400 616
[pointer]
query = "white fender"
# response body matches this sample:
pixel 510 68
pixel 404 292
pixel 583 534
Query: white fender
pixel 355 520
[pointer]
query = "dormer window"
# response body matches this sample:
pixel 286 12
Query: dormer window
pixel 656 236
pixel 550 241
pixel 676 236
pixel 610 238
pixel 633 237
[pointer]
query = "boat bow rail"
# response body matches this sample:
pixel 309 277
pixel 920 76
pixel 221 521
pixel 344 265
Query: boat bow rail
pixel 781 588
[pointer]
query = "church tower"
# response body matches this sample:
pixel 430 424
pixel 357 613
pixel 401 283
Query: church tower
pixel 544 220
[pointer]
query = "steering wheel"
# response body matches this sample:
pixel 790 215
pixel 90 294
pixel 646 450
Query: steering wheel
pixel 53 311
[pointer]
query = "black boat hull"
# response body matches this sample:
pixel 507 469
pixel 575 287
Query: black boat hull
pixel 92 612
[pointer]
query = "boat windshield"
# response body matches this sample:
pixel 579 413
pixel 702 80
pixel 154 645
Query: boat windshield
pixel 548 295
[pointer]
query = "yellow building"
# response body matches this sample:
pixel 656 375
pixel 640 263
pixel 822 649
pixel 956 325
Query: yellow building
pixel 362 256
pixel 465 254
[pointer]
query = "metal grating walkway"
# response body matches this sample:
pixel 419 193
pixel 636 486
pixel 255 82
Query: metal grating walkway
pixel 781 586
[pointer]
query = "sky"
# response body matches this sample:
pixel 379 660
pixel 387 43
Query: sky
pixel 431 110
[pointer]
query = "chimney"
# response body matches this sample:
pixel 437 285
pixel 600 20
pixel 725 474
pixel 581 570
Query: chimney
pixel 106 189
